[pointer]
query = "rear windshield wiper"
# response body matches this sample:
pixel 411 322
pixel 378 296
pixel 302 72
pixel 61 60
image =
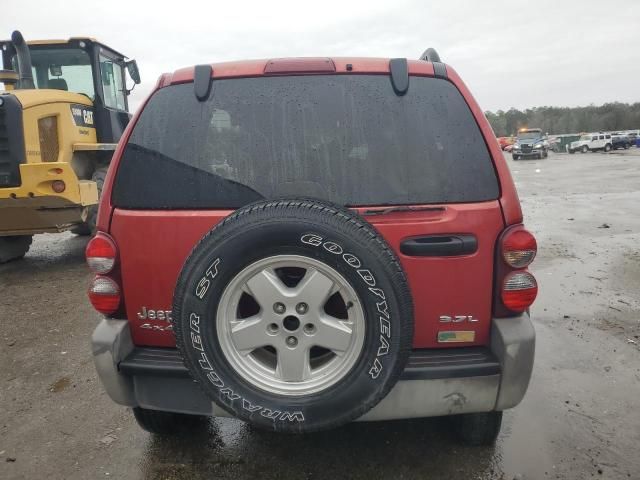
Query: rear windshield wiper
pixel 401 208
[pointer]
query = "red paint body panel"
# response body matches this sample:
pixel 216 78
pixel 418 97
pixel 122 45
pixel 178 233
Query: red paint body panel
pixel 153 245
pixel 508 195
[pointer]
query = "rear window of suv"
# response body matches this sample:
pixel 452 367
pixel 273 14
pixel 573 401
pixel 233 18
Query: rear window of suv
pixel 348 139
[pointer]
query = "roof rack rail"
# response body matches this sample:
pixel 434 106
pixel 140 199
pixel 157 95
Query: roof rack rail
pixel 430 55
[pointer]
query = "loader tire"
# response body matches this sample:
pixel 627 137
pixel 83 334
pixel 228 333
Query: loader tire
pixel 89 227
pixel 14 247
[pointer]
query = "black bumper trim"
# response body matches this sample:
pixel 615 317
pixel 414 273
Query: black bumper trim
pixel 425 364
pixel 154 361
pixel 461 362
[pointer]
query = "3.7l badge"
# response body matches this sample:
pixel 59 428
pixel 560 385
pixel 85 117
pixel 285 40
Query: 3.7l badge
pixel 457 318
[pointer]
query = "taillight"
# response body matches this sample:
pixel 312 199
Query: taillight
pixel 101 254
pixel 519 248
pixel 104 290
pixel 104 294
pixel 58 186
pixel 519 290
pixel 515 287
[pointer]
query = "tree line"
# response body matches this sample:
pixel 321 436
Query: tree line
pixel 558 120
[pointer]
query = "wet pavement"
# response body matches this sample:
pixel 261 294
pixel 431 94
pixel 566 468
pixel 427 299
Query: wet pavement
pixel 580 418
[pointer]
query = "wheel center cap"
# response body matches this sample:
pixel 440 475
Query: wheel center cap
pixel 291 323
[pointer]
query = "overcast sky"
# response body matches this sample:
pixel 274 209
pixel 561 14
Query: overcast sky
pixel 510 54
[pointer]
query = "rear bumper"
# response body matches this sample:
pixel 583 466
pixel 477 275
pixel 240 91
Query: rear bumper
pixel 434 383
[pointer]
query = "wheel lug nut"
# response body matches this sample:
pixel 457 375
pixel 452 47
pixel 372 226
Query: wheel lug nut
pixel 309 329
pixel 279 307
pixel 273 328
pixel 292 341
pixel 302 308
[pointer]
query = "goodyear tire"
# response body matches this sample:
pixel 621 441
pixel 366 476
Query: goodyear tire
pixel 294 315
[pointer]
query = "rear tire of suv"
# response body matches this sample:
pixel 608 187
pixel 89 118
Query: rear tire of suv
pixel 294 315
pixel 515 157
pixel 478 429
pixel 584 149
pixel 14 247
pixel 607 147
pixel 167 423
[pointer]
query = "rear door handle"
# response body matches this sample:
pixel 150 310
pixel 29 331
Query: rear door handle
pixel 439 245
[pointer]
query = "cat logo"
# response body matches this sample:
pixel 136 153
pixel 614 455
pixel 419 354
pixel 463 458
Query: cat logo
pixel 82 115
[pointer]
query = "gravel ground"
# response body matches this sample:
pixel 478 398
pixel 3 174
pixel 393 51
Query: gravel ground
pixel 579 419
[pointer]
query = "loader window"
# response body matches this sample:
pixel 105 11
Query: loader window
pixel 61 69
pixel 112 83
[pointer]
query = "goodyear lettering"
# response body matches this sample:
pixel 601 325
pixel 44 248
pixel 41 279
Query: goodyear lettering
pixel 352 260
pixel 370 281
pixel 383 308
pixel 385 327
pixel 383 349
pixel 311 239
pixel 367 276
pixel 376 369
pixel 378 292
pixel 332 247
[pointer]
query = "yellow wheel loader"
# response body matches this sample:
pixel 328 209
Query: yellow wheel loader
pixel 62 111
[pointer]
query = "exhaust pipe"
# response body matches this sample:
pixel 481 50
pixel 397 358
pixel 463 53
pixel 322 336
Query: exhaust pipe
pixel 24 61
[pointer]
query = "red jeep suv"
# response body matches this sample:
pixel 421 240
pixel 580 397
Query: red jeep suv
pixel 305 242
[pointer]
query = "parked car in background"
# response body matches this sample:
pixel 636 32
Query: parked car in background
pixel 505 142
pixel 620 141
pixel 633 139
pixel 591 142
pixel 530 143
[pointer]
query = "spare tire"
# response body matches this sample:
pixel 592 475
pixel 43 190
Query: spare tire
pixel 294 315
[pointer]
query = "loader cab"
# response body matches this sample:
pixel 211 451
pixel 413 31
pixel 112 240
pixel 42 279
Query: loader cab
pixel 85 66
